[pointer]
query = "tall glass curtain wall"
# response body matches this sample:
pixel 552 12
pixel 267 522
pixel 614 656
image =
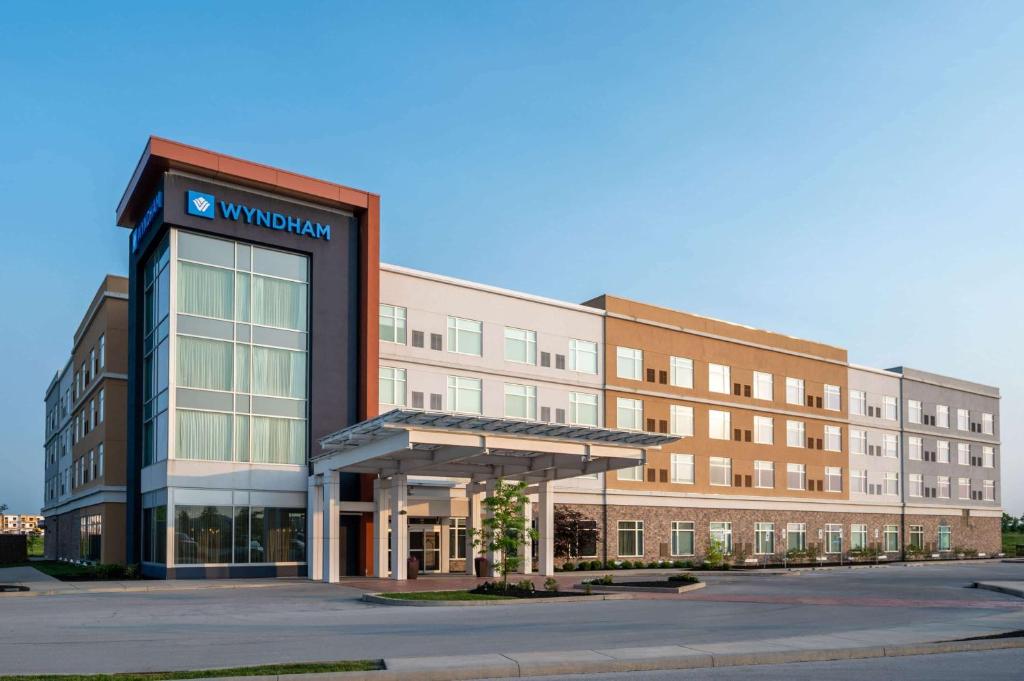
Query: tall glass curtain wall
pixel 238 534
pixel 155 354
pixel 241 371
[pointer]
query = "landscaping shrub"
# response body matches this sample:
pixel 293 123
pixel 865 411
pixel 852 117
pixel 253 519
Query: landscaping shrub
pixel 569 566
pixel 626 565
pixel 596 565
pixel 551 584
pixel 583 566
pixel 684 578
pixel 654 564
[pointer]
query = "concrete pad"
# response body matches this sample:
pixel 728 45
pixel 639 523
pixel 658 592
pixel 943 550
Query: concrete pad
pixel 563 662
pixel 454 667
pixel 1014 588
pixel 658 657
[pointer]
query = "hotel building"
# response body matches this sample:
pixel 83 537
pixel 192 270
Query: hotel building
pixel 297 408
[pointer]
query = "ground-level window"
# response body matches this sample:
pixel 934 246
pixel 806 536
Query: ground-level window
pixel 944 538
pixel 796 536
pixel 833 538
pixel 722 533
pixel 90 537
pixel 240 534
pixel 631 537
pixel 682 538
pixel 858 537
pixel 457 538
pixel 917 536
pixel 154 533
pixel 764 538
pixel 892 538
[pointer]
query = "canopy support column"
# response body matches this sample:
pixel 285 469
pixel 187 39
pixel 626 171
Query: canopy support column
pixel 315 529
pixel 546 528
pixel 399 527
pixel 472 526
pixel 527 566
pixel 380 529
pixel 331 544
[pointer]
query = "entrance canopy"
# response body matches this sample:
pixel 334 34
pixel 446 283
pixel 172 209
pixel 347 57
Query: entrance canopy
pixel 480 448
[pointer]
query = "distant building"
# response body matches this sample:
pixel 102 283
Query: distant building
pixel 21 524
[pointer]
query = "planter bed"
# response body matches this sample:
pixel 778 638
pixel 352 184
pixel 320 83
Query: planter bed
pixel 465 598
pixel 661 586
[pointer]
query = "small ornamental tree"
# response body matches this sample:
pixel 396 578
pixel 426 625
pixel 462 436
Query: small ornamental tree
pixel 505 529
pixel 573 531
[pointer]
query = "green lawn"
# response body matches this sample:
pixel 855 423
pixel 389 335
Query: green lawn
pixel 35 546
pixel 436 596
pixel 1010 541
pixel 264 670
pixel 66 572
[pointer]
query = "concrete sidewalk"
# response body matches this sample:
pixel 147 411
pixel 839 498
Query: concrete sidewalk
pixel 1013 588
pixel 42 584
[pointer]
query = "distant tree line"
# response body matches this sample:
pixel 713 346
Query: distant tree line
pixel 1012 524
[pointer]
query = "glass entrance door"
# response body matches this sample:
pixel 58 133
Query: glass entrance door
pixel 425 545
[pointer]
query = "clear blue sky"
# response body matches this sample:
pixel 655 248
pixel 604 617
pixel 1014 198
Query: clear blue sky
pixel 846 172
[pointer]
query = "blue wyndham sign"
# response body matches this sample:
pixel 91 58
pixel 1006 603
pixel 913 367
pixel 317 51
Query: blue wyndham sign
pixel 206 206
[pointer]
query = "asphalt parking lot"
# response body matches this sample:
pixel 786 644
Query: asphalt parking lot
pixel 298 621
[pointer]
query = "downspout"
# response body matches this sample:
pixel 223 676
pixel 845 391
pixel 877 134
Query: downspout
pixel 903 479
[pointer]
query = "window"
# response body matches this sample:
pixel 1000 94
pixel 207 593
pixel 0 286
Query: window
pixel 858 441
pixel 942 491
pixel 858 402
pixel 945 539
pixel 764 539
pixel 942 451
pixel 858 537
pixel 99 460
pixel 631 537
pixel 796 536
pixel 92 362
pixel 764 474
pixel 914 411
pixel 457 538
pixel 891 484
pixel 964 488
pixel 682 538
pixel 942 416
pixel 794 433
pixel 633 474
pixel 520 401
pixel 833 538
pixel 465 395
pixel 465 336
pixel 92 464
pixel 963 454
pixel 583 356
pixel 963 419
pixel 630 413
pixel 392 386
pixel 988 457
pixel 102 408
pixel 764 430
pixel 794 390
pixel 90 537
pixel 916 488
pixel 583 409
pixel 764 388
pixel 722 533
pixel 520 346
pixel 260 534
pixel 892 538
pixel 917 536
pixel 859 481
pixel 832 397
pixel 392 323
pixel 796 476
pixel 915 447
pixel 719 425
pixel 890 446
pixel 833 439
pixel 103 350
pixel 682 469
pixel 719 380
pixel 989 489
pixel 833 479
pixel 681 420
pixel 629 363
pixel 721 471
pixel 92 414
pixel 889 408
pixel 681 372
pixel 987 424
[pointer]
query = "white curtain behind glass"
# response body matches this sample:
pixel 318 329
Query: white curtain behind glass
pixel 280 303
pixel 206 291
pixel 204 363
pixel 278 440
pixel 204 436
pixel 281 373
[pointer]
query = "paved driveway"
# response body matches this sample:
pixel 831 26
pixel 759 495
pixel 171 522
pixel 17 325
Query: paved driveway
pixel 299 621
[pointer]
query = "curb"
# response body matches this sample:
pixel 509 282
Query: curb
pixel 381 599
pixel 132 589
pixel 624 588
pixel 999 588
pixel 517 665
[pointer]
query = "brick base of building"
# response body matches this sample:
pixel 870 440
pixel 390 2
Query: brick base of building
pixel 64 534
pixel 975 533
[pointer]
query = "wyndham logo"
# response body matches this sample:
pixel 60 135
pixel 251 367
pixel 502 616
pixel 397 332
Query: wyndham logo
pixel 200 204
pixel 206 206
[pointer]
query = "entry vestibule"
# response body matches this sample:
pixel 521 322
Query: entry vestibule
pixel 432 467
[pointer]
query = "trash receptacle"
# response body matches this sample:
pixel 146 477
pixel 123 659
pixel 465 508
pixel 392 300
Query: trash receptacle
pixel 483 566
pixel 412 568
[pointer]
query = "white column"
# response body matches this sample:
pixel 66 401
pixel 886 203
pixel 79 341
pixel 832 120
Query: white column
pixel 546 529
pixel 315 531
pixel 493 557
pixel 527 548
pixel 472 524
pixel 399 527
pixel 331 542
pixel 445 549
pixel 380 529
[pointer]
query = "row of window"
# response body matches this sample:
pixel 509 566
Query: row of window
pixel 90 368
pixel 465 396
pixel 87 419
pixel 720 473
pixel 915 414
pixel 465 337
pixel 82 470
pixel 791 537
pixel 916 452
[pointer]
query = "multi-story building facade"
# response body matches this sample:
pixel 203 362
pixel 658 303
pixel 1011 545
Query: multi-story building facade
pixel 84 493
pixel 11 523
pixel 951 463
pixel 264 337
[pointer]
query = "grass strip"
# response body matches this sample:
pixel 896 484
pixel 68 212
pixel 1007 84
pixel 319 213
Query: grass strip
pixel 261 670
pixel 437 596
